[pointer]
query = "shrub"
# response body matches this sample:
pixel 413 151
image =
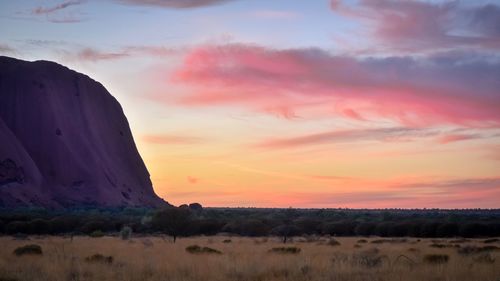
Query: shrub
pixel 459 241
pixel 32 249
pixel 436 258
pixel 98 258
pixel 484 258
pixel 440 246
pixel 333 242
pixel 470 250
pixel 285 250
pixel 362 241
pixel 494 240
pixel 147 243
pixel 382 241
pixel 126 232
pixel 195 249
pixel 227 241
pixel 367 259
pixel 96 234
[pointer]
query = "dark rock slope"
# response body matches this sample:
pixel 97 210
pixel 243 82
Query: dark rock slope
pixel 65 142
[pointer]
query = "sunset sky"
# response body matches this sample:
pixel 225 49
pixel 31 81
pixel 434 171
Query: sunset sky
pixel 278 103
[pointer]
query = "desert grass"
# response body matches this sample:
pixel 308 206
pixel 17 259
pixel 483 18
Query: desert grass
pixel 244 259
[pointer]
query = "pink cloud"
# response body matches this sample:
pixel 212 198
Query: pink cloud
pixel 445 88
pixel 417 25
pixel 456 137
pixel 175 4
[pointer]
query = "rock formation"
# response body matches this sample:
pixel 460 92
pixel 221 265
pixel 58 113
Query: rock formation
pixel 65 141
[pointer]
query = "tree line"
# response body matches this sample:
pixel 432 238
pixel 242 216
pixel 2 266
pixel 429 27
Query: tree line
pixel 193 219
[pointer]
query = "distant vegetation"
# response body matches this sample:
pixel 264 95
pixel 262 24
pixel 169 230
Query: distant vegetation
pixel 195 220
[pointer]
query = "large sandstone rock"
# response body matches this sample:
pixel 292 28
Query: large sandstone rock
pixel 64 141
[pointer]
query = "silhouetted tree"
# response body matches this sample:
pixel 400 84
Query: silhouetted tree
pixel 308 225
pixel 429 229
pixel 254 227
pixel 195 207
pixel 38 226
pixel 365 228
pixel 449 229
pixel 342 228
pixel 16 227
pixel 173 221
pixel 285 231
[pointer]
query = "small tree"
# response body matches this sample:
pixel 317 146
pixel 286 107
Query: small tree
pixel 285 231
pixel 173 221
pixel 126 233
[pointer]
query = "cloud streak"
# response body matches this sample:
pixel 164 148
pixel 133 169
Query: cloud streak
pixel 55 14
pixel 380 134
pixel 174 4
pixel 50 10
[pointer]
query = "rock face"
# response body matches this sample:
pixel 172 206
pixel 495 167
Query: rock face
pixel 65 142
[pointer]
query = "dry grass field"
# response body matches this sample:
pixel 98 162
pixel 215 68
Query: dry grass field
pixel 156 258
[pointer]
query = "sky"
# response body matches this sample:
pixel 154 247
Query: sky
pixel 291 103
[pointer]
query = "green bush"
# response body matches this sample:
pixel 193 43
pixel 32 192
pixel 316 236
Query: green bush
pixel 32 249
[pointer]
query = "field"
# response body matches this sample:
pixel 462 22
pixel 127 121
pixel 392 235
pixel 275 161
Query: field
pixel 241 258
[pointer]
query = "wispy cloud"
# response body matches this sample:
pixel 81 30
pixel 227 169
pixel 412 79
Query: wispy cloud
pixel 380 134
pixel 58 13
pixel 444 88
pixel 174 4
pixel 52 9
pixel 392 134
pixel 457 137
pixel 90 54
pixel 415 25
pixel 93 55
